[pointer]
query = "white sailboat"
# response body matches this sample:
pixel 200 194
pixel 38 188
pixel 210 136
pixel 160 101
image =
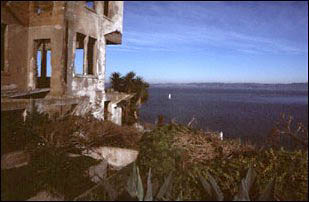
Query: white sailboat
pixel 169 96
pixel 221 135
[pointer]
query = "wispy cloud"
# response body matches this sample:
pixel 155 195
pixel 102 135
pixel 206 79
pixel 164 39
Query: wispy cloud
pixel 174 25
pixel 213 41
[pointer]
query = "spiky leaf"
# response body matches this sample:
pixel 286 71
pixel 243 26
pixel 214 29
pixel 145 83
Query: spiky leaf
pixel 216 188
pixel 140 189
pixel 131 184
pixel 206 186
pixel 268 193
pixel 148 196
pixel 165 187
pixel 243 194
pixel 245 186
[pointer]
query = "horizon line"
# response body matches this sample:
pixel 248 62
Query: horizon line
pixel 217 82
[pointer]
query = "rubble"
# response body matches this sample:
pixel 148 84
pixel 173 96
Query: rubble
pixel 46 196
pixel 14 160
pixel 117 158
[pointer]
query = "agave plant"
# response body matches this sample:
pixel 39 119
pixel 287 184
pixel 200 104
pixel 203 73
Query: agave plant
pixel 136 190
pixel 214 191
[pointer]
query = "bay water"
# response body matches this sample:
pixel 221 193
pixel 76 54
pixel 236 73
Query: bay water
pixel 245 112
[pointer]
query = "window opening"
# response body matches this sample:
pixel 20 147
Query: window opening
pixel 106 7
pixel 79 53
pixel 43 63
pixel 90 4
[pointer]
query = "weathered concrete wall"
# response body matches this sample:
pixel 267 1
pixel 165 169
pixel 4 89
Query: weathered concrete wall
pixel 20 61
pixel 116 157
pixel 116 113
pixel 17 44
pixel 91 23
pixel 87 22
pixel 60 22
pixel 52 14
pixel 15 54
pixel 116 16
pixel 53 28
pixel 49 32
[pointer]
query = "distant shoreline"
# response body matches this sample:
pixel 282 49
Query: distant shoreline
pixel 291 86
pixel 232 83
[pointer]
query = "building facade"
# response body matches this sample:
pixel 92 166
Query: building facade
pixel 59 46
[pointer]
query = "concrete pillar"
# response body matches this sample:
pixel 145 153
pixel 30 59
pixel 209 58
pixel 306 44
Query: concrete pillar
pixel 32 65
pixel 103 55
pixel 101 63
pixel 58 51
pixel 43 61
pixel 85 67
pixel 71 49
pixel 57 84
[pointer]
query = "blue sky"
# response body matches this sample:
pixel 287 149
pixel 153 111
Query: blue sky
pixel 262 42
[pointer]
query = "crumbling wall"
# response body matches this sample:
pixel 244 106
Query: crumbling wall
pixel 116 113
pixel 48 26
pixel 59 22
pixel 90 24
pixel 116 18
pixel 15 57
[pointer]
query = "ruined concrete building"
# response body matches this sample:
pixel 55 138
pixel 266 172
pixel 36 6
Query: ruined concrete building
pixel 53 55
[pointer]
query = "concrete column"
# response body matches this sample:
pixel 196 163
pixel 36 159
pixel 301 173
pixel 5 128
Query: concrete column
pixel 71 50
pixel 32 66
pixel 85 67
pixel 103 55
pixel 57 84
pixel 43 61
pixel 101 63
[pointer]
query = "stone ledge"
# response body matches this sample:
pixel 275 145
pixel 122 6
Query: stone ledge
pixel 14 160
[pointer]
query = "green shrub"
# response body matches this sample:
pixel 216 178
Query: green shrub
pixel 289 168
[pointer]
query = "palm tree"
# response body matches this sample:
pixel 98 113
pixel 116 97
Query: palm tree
pixel 130 83
pixel 116 81
pixel 141 89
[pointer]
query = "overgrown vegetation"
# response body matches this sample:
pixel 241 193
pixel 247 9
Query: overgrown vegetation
pixel 50 143
pixel 287 132
pixel 136 190
pixel 175 162
pixel 189 154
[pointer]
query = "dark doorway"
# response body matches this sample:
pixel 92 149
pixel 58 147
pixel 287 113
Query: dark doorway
pixel 106 112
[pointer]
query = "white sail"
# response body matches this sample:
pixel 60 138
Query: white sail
pixel 169 96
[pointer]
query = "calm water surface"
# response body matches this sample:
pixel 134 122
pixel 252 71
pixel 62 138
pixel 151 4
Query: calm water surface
pixel 245 113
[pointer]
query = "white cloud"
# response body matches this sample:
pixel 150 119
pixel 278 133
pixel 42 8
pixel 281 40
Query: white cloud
pixel 169 26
